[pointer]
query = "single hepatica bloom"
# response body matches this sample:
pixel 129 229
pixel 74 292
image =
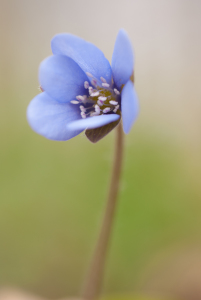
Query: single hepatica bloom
pixel 81 91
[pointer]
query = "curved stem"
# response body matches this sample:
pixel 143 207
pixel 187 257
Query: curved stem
pixel 95 275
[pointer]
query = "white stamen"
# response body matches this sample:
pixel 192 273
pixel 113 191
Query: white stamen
pixel 92 114
pixel 116 108
pixel 106 110
pixel 75 102
pixel 113 102
pixel 81 98
pixel 97 109
pixel 90 90
pixel 103 79
pixel 94 94
pixel 104 84
pixel 89 74
pixel 102 98
pixel 100 102
pixel 82 108
pixel 83 115
pixel 116 92
pixel 94 82
pixel 86 84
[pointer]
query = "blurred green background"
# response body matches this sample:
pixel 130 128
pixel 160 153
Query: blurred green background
pixel 52 194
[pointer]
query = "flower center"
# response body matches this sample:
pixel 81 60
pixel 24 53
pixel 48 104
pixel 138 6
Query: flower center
pixel 101 98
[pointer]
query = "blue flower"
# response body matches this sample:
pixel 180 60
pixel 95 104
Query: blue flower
pixel 81 91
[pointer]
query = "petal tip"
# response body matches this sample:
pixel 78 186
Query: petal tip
pixel 122 59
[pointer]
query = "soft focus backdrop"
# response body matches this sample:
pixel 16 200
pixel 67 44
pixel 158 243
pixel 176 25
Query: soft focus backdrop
pixel 52 194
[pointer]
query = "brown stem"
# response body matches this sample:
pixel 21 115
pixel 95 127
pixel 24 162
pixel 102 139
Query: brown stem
pixel 95 275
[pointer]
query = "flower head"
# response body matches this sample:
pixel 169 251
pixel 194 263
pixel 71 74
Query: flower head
pixel 81 91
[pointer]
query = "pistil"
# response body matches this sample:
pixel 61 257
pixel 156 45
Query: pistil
pixel 103 98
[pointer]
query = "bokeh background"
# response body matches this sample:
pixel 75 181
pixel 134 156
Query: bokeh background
pixel 52 194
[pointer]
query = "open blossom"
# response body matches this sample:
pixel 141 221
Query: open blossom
pixel 81 91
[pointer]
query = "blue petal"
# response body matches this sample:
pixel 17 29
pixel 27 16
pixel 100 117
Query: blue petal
pixel 49 118
pixel 122 59
pixel 86 55
pixel 62 78
pixel 129 106
pixel 93 122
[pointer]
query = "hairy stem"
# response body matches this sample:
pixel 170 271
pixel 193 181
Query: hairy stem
pixel 95 276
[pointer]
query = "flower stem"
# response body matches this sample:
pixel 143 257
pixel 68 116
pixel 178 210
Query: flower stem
pixel 95 276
